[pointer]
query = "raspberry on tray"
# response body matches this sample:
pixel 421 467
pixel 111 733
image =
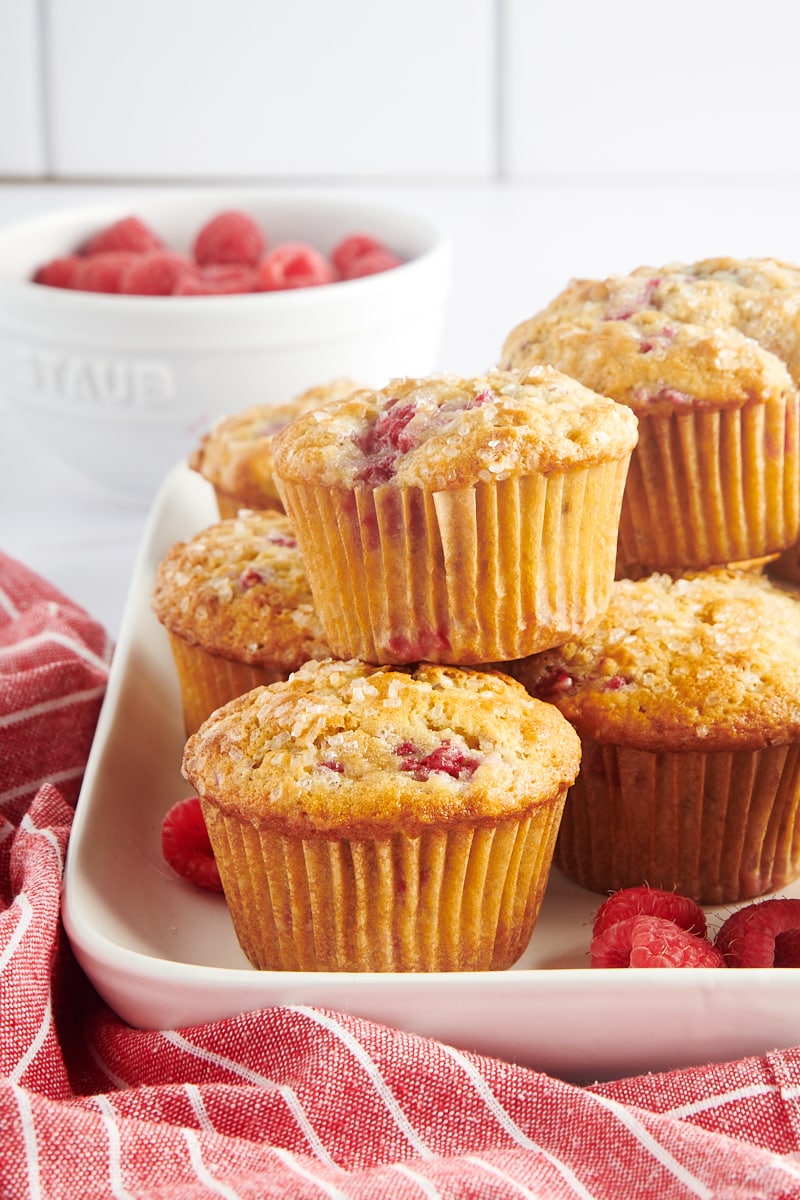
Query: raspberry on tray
pixel 186 846
pixel 651 902
pixel 763 934
pixel 649 941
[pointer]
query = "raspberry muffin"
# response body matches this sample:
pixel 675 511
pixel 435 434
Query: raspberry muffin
pixel 687 701
pixel 237 608
pixel 458 520
pixel 706 357
pixel 376 819
pixel 236 455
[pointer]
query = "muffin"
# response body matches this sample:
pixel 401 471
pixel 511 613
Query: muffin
pixel 237 608
pixel 235 457
pixel 376 819
pixel 686 698
pixel 706 356
pixel 457 520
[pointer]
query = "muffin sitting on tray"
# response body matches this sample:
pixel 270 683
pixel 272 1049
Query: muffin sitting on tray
pixel 457 520
pixel 707 356
pixel 686 697
pixel 376 819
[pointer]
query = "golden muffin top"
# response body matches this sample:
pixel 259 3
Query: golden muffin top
pixel 705 661
pixel 720 332
pixel 444 432
pixel 343 748
pixel 239 589
pixel 236 455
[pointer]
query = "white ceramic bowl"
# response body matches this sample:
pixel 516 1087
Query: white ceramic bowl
pixel 123 386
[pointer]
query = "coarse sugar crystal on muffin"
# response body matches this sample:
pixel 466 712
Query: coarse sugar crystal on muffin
pixel 706 355
pixel 238 611
pixel 457 520
pixel 235 456
pixel 686 697
pixel 383 819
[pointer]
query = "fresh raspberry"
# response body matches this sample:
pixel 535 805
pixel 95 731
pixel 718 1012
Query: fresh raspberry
pixel 103 272
pixel 59 272
pixel 294 265
pixel 372 264
pixel 230 237
pixel 154 274
pixel 764 934
pixel 359 254
pixel 650 902
pixel 216 280
pixel 647 941
pixel 129 233
pixel 347 252
pixel 186 846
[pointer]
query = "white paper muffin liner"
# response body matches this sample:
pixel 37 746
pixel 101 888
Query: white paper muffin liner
pixel 721 827
pixel 487 573
pixel 711 487
pixel 207 681
pixel 457 898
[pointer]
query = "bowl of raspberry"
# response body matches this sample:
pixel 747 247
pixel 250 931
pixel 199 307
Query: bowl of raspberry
pixel 127 330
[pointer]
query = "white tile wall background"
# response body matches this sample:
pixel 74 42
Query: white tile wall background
pixel 426 90
pixel 22 135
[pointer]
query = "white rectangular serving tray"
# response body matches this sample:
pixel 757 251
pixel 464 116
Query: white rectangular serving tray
pixel 163 954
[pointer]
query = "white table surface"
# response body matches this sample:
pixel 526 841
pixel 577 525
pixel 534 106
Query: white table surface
pixel 515 247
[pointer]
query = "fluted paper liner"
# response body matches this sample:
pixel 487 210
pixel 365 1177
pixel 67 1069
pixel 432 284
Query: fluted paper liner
pixel 711 487
pixel 487 573
pixel 720 827
pixel 207 681
pixel 461 898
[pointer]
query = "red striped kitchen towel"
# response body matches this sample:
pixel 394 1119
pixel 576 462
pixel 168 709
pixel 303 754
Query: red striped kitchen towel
pixel 294 1101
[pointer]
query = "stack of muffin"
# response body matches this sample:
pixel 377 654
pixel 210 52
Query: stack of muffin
pixel 394 801
pixel 687 694
pixel 369 812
